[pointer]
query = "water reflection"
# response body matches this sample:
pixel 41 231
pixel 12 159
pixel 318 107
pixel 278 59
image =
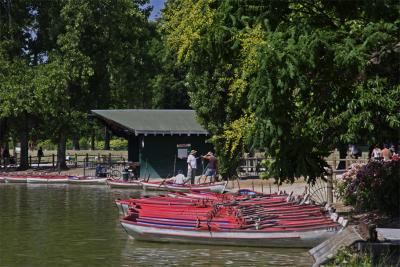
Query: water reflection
pixel 152 254
pixel 72 225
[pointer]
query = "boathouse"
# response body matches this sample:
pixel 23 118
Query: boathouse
pixel 159 140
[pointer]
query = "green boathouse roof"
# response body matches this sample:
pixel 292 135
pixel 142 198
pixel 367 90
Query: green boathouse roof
pixel 152 121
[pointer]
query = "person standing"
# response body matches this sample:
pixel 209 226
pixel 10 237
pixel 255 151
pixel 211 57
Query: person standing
pixel 40 154
pixel 192 166
pixel 376 153
pixel 6 156
pixel 355 152
pixel 386 153
pixel 211 169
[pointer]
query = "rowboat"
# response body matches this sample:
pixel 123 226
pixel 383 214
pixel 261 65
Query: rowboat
pixel 306 237
pixel 87 180
pixel 212 187
pixel 13 178
pixel 124 184
pixel 48 179
pixel 225 219
pixel 33 178
pixel 2 179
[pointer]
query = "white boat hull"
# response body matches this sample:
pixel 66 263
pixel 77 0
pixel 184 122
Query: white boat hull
pixel 255 238
pixel 15 179
pixel 121 184
pixel 37 180
pixel 89 181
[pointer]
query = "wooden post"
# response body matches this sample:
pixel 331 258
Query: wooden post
pixel 84 167
pixel 58 166
pixel 30 161
pixel 252 184
pixel 329 187
pixel 270 190
pixel 76 160
pixel 86 161
pixel 52 160
pixel 262 187
pixel 173 174
pixel 334 163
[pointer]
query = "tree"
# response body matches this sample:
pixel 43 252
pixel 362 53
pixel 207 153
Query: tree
pixel 70 57
pixel 265 75
pixel 16 103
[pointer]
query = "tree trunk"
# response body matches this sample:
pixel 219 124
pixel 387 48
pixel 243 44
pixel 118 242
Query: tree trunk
pixel 2 131
pixel 75 143
pixel 61 149
pixel 92 140
pixel 23 159
pixel 2 139
pixel 106 139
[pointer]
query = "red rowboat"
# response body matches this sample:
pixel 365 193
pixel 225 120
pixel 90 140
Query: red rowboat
pixel 212 187
pixel 224 219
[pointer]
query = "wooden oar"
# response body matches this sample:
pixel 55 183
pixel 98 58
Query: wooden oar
pixel 161 183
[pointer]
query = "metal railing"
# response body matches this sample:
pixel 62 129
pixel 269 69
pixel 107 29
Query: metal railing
pixel 252 167
pixel 75 160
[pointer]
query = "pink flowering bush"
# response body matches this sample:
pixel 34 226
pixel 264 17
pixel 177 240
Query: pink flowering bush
pixel 372 186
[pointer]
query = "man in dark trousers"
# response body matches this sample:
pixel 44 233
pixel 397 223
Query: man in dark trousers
pixel 40 155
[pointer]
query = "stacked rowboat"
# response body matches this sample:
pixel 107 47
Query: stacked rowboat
pixel 227 219
pixel 49 179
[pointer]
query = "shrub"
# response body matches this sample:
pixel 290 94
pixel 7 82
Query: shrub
pixel 115 144
pixel 373 186
pixel 47 145
pixel 119 144
pixel 349 257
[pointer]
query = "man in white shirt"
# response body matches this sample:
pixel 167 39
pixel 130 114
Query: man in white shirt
pixel 192 166
pixel 180 178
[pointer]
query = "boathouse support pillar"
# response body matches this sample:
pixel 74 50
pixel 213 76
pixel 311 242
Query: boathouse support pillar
pixel 133 148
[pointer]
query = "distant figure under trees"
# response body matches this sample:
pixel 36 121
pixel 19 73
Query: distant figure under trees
pixel 40 154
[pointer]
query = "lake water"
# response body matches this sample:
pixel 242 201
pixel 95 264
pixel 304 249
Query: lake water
pixel 72 225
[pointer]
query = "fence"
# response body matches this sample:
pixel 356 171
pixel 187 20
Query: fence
pixel 76 160
pixel 251 166
pixel 322 190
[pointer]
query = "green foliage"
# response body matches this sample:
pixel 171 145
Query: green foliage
pixel 168 85
pixel 115 144
pixel 349 258
pixel 374 186
pixel 60 59
pixel 47 145
pixel 311 74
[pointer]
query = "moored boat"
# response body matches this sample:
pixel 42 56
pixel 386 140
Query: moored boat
pixel 32 178
pixel 226 219
pixel 12 178
pixel 218 187
pixel 306 237
pixel 124 184
pixel 86 180
pixel 47 179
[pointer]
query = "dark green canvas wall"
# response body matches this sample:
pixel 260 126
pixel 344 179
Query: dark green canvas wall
pixel 158 154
